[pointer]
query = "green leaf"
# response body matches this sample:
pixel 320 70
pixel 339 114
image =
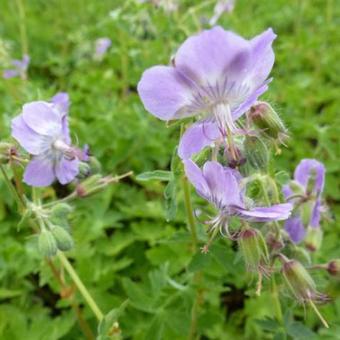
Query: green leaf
pixel 298 331
pixel 8 293
pixel 139 298
pixel 156 328
pixel 160 175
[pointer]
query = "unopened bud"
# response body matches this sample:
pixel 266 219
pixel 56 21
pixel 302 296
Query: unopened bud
pixel 256 152
pixel 87 186
pixel 306 211
pixel 296 188
pixel 300 282
pixel 63 238
pixel 5 152
pixel 84 170
pixel 254 250
pixel 313 238
pixel 95 166
pixel 265 118
pixel 333 268
pixel 47 244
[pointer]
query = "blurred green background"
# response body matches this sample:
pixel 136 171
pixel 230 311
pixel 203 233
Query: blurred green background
pixel 124 246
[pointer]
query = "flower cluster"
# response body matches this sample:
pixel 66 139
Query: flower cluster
pixel 217 77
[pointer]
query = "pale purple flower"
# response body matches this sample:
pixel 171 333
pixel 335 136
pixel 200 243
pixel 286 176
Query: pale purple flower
pixel 216 75
pixel 221 186
pixel 42 130
pixel 305 193
pixel 102 45
pixel 19 68
pixel 221 7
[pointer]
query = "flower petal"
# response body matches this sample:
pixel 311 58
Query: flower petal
pixel 223 185
pixel 164 92
pixel 41 118
pixel 247 103
pixel 39 172
pixel 197 137
pixel 262 56
pixel 27 138
pixel 305 170
pixel 62 102
pixel 195 176
pixel 275 212
pixel 316 214
pixel 207 57
pixel 295 229
pixel 66 170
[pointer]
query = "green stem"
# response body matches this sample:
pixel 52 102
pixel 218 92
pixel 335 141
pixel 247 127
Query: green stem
pixel 81 287
pixel 190 213
pixel 19 200
pixel 22 26
pixel 276 300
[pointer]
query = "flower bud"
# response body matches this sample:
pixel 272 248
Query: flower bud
pixel 254 249
pixel 47 243
pixel 333 268
pixel 256 152
pixel 5 152
pixel 63 238
pixel 296 188
pixel 306 211
pixel 300 282
pixel 265 118
pixel 88 185
pixel 313 239
pixel 59 215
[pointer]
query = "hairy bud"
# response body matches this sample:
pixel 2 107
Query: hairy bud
pixel 256 152
pixel 333 268
pixel 265 118
pixel 313 239
pixel 254 250
pixel 47 244
pixel 63 238
pixel 300 282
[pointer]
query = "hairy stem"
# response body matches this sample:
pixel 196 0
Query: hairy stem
pixel 81 287
pixel 22 26
pixel 276 301
pixel 12 189
pixel 190 213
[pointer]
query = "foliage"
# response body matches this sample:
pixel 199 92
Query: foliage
pixel 131 241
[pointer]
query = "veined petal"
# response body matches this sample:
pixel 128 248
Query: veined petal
pixel 66 170
pixel 164 92
pixel 39 172
pixel 295 229
pixel 247 103
pixel 195 176
pixel 210 55
pixel 275 212
pixel 197 137
pixel 41 118
pixel 223 185
pixel 31 141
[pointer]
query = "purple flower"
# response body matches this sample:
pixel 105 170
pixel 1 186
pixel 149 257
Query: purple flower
pixel 305 193
pixel 222 6
pixel 221 186
pixel 42 130
pixel 19 68
pixel 216 75
pixel 102 45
